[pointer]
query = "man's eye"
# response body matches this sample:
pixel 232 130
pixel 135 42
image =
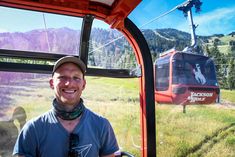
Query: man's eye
pixel 61 77
pixel 65 78
pixel 77 78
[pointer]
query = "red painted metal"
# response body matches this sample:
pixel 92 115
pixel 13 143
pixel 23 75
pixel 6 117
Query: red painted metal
pixel 114 15
pixel 142 93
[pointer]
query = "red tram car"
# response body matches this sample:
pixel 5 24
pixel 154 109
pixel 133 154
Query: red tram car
pixel 185 78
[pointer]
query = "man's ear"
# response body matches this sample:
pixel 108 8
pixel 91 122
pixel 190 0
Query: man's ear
pixel 51 82
pixel 84 84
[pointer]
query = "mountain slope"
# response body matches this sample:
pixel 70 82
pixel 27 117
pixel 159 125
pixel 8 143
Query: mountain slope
pixel 65 40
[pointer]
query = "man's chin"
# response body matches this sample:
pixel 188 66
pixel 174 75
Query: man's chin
pixel 70 103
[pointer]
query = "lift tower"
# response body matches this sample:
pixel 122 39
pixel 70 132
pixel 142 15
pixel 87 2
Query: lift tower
pixel 186 7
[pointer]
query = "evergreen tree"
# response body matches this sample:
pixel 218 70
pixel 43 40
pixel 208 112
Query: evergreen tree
pixel 219 61
pixel 91 57
pixel 207 51
pixel 231 74
pixel 232 45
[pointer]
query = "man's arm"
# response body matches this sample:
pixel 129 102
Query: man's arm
pixel 109 141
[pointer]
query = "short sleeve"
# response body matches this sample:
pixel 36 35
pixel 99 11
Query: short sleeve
pixel 108 139
pixel 26 143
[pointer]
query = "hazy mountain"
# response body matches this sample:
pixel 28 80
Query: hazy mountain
pixel 118 54
pixel 54 40
pixel 40 40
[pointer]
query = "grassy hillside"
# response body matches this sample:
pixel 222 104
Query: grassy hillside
pixel 223 44
pixel 207 131
pixel 226 39
pixel 228 96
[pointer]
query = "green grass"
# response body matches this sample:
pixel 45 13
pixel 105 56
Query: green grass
pixel 196 133
pixel 177 133
pixel 224 44
pixel 226 39
pixel 228 95
pixel 224 49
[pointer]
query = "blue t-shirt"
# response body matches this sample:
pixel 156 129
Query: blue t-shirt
pixel 46 137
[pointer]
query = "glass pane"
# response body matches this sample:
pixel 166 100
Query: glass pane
pixel 23 96
pixel 118 101
pixel 193 69
pixel 162 73
pixel 117 98
pixel 109 49
pixel 27 95
pixel 40 32
pixel 162 77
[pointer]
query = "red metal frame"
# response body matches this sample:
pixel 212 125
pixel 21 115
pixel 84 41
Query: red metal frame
pixel 113 15
pixel 147 112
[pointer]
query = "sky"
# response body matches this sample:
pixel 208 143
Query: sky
pixel 216 17
pixel 16 20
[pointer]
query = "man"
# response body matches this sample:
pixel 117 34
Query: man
pixel 69 129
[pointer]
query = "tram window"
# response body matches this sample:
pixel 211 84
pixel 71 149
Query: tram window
pixel 109 49
pixel 162 76
pixel 23 96
pixel 193 69
pixel 39 32
pixel 210 72
pixel 182 73
pixel 28 95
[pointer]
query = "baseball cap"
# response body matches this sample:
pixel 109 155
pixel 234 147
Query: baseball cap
pixel 70 59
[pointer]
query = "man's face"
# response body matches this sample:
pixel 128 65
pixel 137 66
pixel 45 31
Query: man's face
pixel 68 83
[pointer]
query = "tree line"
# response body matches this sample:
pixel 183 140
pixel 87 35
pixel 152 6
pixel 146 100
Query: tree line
pixel 224 65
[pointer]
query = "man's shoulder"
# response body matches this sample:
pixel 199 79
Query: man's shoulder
pixel 93 121
pixel 94 116
pixel 46 117
pixel 96 120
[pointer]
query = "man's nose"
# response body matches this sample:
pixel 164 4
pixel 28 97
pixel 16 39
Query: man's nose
pixel 68 81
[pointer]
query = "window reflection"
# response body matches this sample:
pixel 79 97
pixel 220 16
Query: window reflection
pixel 39 32
pixel 109 49
pixel 28 95
pixel 162 74
pixel 193 70
pixel 23 96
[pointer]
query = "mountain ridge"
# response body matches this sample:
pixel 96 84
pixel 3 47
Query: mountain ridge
pixel 53 39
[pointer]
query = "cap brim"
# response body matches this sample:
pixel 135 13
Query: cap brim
pixel 70 59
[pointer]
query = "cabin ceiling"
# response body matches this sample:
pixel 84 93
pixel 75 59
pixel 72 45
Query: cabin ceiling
pixel 107 2
pixel 112 12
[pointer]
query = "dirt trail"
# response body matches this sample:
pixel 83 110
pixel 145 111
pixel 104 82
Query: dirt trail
pixel 226 104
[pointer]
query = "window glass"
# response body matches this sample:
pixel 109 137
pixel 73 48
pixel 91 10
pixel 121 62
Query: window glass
pixel 115 98
pixel 109 49
pixel 39 32
pixel 23 96
pixel 27 95
pixel 162 74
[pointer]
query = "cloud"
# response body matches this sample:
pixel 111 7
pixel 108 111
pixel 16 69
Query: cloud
pixel 216 15
pixel 2 30
pixel 219 21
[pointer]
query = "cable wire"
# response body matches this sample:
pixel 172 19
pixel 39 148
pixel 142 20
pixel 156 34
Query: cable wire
pixel 152 20
pixel 45 26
